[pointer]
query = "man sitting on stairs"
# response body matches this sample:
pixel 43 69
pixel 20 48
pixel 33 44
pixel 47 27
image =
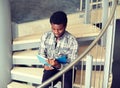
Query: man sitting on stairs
pixel 55 44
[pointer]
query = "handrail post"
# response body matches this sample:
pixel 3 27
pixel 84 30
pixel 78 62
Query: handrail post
pixel 88 73
pixel 108 56
pixel 87 11
pixel 104 19
pixel 81 5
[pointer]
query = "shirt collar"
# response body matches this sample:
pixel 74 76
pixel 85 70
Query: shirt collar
pixel 61 36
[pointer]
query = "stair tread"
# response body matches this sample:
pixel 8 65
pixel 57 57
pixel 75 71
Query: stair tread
pixel 83 30
pixel 96 53
pixel 79 86
pixel 19 85
pixel 27 39
pixel 96 80
pixel 89 31
pixel 32 53
pixel 28 71
pixel 29 56
pixel 27 74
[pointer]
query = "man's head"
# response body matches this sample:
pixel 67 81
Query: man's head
pixel 59 17
pixel 58 22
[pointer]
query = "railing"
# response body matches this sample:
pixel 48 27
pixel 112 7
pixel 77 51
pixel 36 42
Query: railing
pixel 93 79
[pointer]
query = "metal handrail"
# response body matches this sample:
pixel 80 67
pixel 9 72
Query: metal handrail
pixel 85 52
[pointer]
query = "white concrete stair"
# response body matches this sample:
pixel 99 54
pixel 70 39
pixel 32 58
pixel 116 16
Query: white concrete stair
pixel 26 42
pixel 98 54
pixel 80 86
pixel 28 57
pixel 19 85
pixel 96 79
pixel 80 31
pixel 27 74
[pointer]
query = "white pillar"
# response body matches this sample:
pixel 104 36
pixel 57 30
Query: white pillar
pixel 105 6
pixel 109 52
pixel 5 43
pixel 81 5
pixel 87 11
pixel 88 73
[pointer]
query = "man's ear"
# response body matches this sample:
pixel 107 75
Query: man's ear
pixel 65 26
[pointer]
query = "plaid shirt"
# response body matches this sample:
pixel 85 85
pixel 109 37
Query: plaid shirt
pixel 66 45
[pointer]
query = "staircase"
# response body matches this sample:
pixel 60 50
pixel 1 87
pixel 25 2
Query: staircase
pixel 27 70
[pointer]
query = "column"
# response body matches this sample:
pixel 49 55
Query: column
pixel 5 43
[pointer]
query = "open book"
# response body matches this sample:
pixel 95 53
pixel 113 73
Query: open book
pixel 43 60
pixel 61 59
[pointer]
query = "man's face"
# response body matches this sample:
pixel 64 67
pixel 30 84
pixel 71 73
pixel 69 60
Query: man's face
pixel 58 29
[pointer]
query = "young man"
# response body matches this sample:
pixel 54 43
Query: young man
pixel 56 43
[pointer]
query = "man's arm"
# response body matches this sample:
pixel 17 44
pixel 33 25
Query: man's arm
pixel 42 47
pixel 73 51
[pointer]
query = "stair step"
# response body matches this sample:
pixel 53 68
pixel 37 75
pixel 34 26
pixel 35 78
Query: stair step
pixel 27 57
pixel 26 42
pixel 98 54
pixel 36 26
pixel 32 41
pixel 96 80
pixel 19 85
pixel 79 86
pixel 27 74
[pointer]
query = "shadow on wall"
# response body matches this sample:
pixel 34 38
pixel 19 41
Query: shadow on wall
pixel 116 57
pixel 30 10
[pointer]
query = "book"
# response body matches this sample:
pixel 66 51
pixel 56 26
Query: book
pixel 43 60
pixel 62 59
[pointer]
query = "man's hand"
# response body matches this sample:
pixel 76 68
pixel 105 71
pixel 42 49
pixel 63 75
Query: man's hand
pixel 53 63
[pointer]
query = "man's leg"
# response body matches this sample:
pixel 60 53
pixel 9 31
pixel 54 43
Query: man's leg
pixel 68 79
pixel 48 74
